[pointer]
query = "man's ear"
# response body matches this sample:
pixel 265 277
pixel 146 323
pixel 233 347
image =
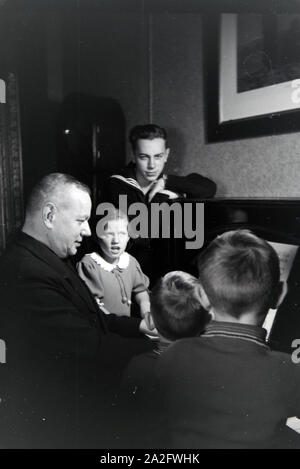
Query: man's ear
pixel 49 211
pixel 167 153
pixel 279 295
pixel 204 299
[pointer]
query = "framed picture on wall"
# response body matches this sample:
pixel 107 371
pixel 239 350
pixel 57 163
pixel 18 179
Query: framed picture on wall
pixel 253 75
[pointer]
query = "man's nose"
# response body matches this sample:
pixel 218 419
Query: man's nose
pixel 115 239
pixel 151 162
pixel 86 231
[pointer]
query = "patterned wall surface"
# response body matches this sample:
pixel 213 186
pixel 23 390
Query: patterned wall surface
pixel 257 167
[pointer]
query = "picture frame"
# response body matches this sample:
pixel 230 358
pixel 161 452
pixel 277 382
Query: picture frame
pixel 230 114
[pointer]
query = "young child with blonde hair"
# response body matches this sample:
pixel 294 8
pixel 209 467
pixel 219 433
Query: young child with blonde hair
pixel 112 275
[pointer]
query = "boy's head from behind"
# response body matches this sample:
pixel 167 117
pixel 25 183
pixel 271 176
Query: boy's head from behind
pixel 175 306
pixel 240 275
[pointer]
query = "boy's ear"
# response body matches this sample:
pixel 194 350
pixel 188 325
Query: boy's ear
pixel 204 299
pixel 279 295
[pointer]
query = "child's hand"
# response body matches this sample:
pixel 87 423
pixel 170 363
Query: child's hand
pixel 147 326
pixel 149 321
pixel 142 299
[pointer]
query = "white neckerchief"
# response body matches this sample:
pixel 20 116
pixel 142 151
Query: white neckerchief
pixel 123 261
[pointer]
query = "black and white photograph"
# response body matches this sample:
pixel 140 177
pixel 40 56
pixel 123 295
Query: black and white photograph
pixel 149 227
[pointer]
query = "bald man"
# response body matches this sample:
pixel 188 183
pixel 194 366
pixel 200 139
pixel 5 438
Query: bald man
pixel 59 351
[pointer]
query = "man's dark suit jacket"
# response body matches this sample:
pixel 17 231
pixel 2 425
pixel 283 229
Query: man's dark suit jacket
pixel 60 354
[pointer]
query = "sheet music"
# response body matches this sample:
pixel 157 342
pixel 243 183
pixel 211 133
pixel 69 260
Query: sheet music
pixel 286 254
pixel 293 423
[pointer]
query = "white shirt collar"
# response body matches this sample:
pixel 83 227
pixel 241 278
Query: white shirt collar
pixel 122 263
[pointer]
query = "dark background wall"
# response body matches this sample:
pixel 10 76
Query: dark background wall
pixel 23 50
pixel 151 66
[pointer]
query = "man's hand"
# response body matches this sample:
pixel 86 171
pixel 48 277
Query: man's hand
pixel 156 187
